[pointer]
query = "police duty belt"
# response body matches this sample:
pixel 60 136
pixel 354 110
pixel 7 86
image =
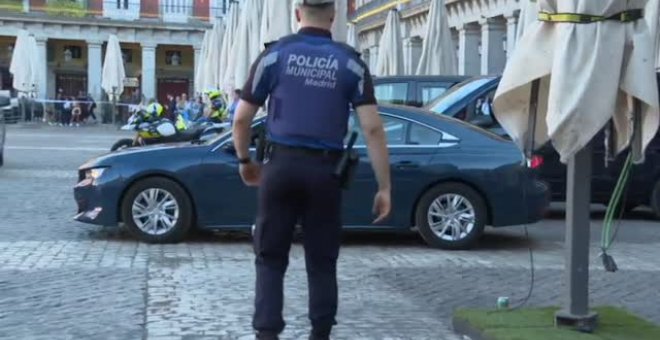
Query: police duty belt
pixel 576 18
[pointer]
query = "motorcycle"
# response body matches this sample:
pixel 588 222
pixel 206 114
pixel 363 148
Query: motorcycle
pixel 164 131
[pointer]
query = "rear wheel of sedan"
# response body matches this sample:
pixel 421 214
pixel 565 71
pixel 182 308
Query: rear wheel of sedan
pixel 451 216
pixel 157 210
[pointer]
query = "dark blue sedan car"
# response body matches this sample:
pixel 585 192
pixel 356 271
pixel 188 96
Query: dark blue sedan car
pixel 449 180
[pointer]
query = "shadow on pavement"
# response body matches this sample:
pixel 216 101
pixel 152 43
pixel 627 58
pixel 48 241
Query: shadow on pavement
pixel 640 214
pixel 492 240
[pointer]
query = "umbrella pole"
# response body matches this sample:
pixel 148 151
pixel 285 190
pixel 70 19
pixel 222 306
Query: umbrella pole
pixel 114 106
pixel 576 313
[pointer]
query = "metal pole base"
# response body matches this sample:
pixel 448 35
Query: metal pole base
pixel 582 323
pixel 576 313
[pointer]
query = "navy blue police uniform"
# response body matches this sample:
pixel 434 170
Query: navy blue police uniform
pixel 311 82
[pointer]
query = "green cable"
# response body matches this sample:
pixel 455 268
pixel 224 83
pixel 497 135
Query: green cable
pixel 606 240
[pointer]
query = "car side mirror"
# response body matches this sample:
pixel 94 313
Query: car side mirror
pixel 483 121
pixel 4 101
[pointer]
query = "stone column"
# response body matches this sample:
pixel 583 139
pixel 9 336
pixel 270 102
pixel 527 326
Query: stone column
pixel 468 50
pixel 149 70
pixel 94 68
pixel 412 51
pixel 42 83
pixel 198 61
pixel 511 24
pixel 493 56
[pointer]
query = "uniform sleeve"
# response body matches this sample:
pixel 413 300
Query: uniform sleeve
pixel 363 94
pixel 261 79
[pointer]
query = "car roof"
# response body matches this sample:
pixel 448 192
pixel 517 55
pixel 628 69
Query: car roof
pixel 448 78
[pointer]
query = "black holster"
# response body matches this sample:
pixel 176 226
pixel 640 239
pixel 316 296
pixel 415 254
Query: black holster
pixel 348 163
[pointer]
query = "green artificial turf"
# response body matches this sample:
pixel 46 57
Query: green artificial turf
pixel 538 324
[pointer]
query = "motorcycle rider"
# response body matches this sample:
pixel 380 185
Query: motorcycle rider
pixel 218 107
pixel 151 113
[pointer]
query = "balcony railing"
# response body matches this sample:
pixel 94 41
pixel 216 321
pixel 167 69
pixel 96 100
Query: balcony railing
pixel 169 11
pixel 176 10
pixel 11 5
pixel 375 12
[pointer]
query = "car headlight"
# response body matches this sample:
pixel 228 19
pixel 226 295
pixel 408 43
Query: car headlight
pixel 94 174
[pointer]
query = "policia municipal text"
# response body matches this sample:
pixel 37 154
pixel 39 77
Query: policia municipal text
pixel 311 82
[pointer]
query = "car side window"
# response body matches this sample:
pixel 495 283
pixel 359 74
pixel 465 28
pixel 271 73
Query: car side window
pixel 422 135
pixel 428 92
pixel 395 130
pixel 392 93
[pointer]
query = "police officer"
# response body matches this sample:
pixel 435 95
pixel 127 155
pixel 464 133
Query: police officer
pixel 311 82
pixel 218 107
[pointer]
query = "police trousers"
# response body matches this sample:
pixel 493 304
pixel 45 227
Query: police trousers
pixel 297 187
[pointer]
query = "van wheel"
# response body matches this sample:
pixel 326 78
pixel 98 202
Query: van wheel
pixel 451 216
pixel 157 210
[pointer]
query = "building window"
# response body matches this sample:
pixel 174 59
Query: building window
pixel 72 52
pixel 122 4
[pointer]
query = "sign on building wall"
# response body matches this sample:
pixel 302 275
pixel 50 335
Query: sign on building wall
pixel 131 82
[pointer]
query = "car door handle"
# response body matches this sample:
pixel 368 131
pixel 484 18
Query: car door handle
pixel 406 165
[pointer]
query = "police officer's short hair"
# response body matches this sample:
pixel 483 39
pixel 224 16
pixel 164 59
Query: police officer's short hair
pixel 320 11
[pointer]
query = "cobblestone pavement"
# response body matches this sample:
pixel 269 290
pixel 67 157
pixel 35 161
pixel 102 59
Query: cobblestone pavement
pixel 63 280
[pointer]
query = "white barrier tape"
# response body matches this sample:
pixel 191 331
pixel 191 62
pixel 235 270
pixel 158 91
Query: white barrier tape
pixel 44 101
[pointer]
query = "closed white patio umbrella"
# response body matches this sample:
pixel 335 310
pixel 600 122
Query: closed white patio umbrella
pixel 227 56
pixel 294 21
pixel 340 25
pixel 112 81
pixel 564 82
pixel 199 74
pixel 246 47
pixel 652 16
pixel 528 14
pixel 390 49
pixel 211 76
pixel 591 73
pixel 113 73
pixel 352 37
pixel 21 63
pixel 438 51
pixel 275 20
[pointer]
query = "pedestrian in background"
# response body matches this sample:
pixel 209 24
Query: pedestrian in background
pixel 311 82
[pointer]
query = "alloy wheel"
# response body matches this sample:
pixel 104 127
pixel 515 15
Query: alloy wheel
pixel 155 211
pixel 451 217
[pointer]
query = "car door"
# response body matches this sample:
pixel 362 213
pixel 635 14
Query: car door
pixel 227 201
pixel 407 159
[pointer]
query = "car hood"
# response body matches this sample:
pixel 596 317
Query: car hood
pixel 172 150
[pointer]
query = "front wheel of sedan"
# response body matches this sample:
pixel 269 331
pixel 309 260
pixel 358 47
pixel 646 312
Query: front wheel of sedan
pixel 157 210
pixel 451 216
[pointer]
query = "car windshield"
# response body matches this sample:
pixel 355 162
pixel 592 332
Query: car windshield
pixel 457 93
